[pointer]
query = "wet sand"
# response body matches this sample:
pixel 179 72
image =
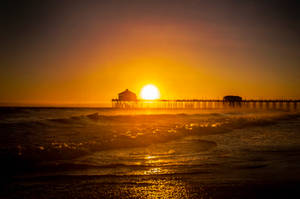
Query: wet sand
pixel 153 186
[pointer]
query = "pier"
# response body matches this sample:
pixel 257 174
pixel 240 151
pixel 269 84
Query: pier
pixel 128 100
pixel 206 104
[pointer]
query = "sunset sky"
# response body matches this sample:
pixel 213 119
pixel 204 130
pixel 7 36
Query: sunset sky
pixel 89 51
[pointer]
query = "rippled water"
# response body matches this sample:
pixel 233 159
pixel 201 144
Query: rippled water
pixel 224 146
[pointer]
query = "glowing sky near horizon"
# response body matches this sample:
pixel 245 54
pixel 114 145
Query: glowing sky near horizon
pixel 88 52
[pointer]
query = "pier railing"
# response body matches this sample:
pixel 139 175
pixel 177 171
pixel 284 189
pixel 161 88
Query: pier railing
pixel 206 104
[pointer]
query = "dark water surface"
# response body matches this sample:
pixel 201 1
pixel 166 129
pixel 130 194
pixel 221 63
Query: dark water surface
pixel 106 153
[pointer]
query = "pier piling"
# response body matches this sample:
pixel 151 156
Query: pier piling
pixel 205 104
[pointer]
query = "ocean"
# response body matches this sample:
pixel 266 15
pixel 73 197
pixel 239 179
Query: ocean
pixel 113 153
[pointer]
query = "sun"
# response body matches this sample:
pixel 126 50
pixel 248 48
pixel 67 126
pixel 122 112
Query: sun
pixel 150 92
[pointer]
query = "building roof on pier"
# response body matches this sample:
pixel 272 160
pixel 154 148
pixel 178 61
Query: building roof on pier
pixel 127 95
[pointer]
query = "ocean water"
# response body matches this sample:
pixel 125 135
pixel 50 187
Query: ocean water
pixel 132 153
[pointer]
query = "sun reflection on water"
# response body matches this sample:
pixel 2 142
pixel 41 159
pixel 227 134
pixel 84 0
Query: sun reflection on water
pixel 160 188
pixel 153 171
pixel 149 157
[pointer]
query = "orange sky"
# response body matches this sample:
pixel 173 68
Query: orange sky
pixel 87 54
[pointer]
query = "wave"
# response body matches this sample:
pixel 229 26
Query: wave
pixel 30 143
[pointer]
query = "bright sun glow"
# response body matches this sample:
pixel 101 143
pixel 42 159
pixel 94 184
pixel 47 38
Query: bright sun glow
pixel 150 92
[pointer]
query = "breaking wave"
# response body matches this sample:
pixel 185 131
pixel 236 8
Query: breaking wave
pixel 34 142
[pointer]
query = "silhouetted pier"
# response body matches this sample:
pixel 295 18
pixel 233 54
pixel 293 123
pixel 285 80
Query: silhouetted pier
pixel 206 104
pixel 128 100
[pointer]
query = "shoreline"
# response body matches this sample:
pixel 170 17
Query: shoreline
pixel 148 186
